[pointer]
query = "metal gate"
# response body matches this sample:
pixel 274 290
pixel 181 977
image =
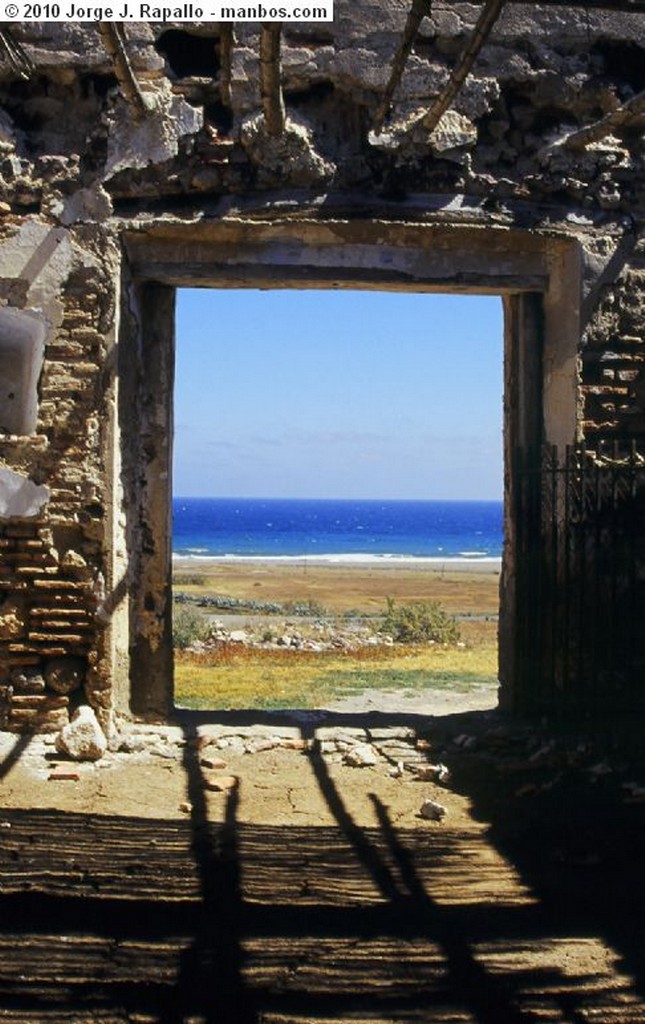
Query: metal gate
pixel 580 580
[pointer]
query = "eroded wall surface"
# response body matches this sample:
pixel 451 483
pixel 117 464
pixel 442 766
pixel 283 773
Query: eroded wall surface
pixel 85 171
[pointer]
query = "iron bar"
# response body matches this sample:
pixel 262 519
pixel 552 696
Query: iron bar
pixel 581 596
pixel 270 78
pixel 227 41
pixel 599 611
pixel 16 54
pixel 566 581
pixel 552 529
pixel 489 15
pixel 580 578
pixel 613 121
pixel 113 37
pixel 419 10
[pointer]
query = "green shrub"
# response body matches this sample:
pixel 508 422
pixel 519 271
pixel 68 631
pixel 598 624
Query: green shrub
pixel 308 607
pixel 186 579
pixel 419 622
pixel 188 625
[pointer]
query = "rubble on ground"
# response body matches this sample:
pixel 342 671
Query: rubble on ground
pixel 316 636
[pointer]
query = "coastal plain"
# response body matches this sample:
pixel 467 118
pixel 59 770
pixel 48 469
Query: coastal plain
pixel 462 586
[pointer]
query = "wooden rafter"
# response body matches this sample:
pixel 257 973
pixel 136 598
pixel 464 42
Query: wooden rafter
pixel 114 41
pixel 605 125
pixel 419 10
pixel 489 15
pixel 270 77
pixel 227 41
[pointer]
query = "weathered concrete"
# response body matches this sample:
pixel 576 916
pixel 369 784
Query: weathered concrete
pixel 101 217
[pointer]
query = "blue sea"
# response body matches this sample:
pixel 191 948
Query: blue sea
pixel 336 530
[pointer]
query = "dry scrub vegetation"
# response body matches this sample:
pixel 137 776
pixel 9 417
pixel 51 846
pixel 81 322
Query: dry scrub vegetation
pixel 462 655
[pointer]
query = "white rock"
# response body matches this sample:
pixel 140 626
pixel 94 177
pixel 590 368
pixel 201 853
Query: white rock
pixel 361 756
pixel 431 810
pixel 453 131
pixel 164 750
pixel 255 746
pixel 20 497
pixel 130 744
pixel 72 560
pixel 83 739
pixel 434 772
pixel 328 747
pixel 236 745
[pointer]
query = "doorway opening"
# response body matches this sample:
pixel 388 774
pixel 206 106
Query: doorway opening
pixel 337 499
pixel 538 277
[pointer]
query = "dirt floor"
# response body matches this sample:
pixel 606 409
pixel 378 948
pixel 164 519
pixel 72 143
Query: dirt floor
pixel 281 870
pixel 392 858
pixel 148 778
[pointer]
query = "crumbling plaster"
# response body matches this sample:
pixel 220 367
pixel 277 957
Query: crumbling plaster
pixel 102 214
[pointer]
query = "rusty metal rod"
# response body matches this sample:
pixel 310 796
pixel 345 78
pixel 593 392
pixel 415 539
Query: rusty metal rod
pixel 113 38
pixel 419 10
pixel 487 18
pixel 227 41
pixel 605 125
pixel 270 78
pixel 19 59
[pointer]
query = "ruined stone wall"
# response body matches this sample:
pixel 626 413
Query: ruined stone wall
pixel 84 172
pixel 52 571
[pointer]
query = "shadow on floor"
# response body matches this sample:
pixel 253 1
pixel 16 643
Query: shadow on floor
pixel 13 756
pixel 537 916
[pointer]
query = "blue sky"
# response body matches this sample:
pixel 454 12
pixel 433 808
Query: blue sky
pixel 338 394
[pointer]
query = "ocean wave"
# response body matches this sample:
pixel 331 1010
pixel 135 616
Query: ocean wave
pixel 351 558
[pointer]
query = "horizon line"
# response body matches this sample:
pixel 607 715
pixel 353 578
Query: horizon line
pixel 260 497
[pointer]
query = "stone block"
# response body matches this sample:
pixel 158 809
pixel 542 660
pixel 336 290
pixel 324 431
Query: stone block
pixel 82 739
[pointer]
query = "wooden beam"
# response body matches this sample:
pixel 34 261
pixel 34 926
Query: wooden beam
pixel 270 78
pixel 489 15
pixel 419 10
pixel 613 121
pixel 113 38
pixel 227 41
